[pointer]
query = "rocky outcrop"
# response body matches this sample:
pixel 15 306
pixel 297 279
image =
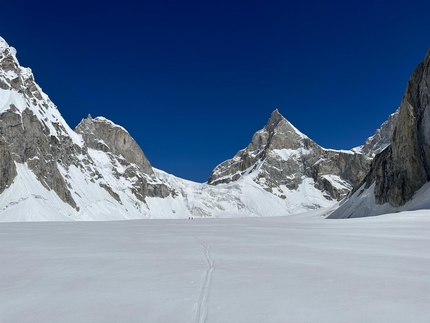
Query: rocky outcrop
pixel 102 134
pixel 280 158
pixel 7 167
pixel 404 167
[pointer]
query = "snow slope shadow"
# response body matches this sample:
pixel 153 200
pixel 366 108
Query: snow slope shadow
pixel 201 306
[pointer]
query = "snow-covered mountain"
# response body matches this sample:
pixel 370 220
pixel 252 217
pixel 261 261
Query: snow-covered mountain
pixel 98 172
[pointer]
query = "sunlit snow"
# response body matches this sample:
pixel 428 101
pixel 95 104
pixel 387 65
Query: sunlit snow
pixel 300 268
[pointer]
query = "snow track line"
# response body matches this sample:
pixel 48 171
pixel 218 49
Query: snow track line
pixel 201 306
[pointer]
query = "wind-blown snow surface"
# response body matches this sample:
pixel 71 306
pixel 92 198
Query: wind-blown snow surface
pixel 300 268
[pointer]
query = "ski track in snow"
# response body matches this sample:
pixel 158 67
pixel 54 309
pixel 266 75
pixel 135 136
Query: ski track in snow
pixel 201 306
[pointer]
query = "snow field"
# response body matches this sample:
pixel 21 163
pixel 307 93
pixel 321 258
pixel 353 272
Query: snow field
pixel 299 268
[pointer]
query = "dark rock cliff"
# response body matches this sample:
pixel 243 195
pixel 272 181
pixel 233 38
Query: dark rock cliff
pixel 403 168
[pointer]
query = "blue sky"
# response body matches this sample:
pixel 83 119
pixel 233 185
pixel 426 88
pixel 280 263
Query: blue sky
pixel 193 80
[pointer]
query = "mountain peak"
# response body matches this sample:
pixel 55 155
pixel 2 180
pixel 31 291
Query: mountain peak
pixel 276 116
pixel 274 120
pixel 278 124
pixel 280 159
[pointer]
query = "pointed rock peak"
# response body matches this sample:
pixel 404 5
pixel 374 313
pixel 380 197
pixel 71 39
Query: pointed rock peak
pixel 275 118
pixel 277 121
pixel 276 113
pixel 274 121
pixel 89 117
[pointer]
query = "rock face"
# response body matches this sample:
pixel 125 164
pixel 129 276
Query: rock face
pixel 102 134
pixel 400 170
pixel 280 158
pixel 7 167
pixel 404 167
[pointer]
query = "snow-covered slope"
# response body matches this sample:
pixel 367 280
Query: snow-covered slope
pixel 242 198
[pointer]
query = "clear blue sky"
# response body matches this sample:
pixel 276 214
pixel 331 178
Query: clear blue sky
pixel 193 80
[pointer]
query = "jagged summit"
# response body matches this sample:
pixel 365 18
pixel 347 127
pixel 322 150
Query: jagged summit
pixel 277 120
